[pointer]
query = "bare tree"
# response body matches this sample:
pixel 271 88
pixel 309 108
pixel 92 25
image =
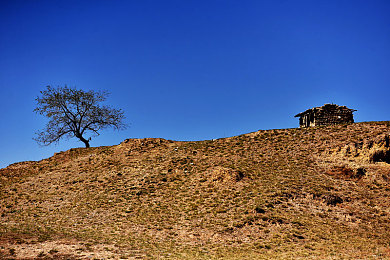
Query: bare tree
pixel 74 113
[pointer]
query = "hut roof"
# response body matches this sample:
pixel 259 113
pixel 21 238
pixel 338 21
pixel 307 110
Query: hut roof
pixel 325 108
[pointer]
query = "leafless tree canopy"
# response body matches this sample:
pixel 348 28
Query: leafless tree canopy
pixel 75 113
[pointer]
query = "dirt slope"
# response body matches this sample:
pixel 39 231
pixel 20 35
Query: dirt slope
pixel 320 192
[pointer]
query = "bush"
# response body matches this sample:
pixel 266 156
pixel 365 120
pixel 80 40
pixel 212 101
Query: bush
pixel 381 155
pixel 333 199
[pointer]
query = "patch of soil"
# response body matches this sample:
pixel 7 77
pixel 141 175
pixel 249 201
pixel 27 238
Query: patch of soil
pixel 344 172
pixel 227 175
pixel 59 249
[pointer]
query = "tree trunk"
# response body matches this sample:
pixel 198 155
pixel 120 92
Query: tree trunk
pixel 85 141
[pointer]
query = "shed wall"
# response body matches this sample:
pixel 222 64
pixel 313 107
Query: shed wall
pixel 328 116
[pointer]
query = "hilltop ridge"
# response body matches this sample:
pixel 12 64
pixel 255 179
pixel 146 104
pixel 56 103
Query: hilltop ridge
pixel 282 193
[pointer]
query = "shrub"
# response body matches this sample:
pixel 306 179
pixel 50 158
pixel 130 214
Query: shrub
pixel 381 155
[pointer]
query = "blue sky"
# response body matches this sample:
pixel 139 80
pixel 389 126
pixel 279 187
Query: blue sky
pixel 191 70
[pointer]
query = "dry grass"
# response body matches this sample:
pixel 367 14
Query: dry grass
pixel 288 193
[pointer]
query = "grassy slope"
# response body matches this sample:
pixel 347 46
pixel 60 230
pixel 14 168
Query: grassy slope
pixel 258 195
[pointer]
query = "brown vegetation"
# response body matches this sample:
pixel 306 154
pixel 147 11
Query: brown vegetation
pixel 289 193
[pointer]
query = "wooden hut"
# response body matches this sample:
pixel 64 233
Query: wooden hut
pixel 328 114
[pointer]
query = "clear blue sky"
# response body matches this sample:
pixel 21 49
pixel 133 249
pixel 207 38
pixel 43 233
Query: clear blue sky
pixel 191 70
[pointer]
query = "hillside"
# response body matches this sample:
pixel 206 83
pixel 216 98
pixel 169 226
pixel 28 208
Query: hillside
pixel 290 193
